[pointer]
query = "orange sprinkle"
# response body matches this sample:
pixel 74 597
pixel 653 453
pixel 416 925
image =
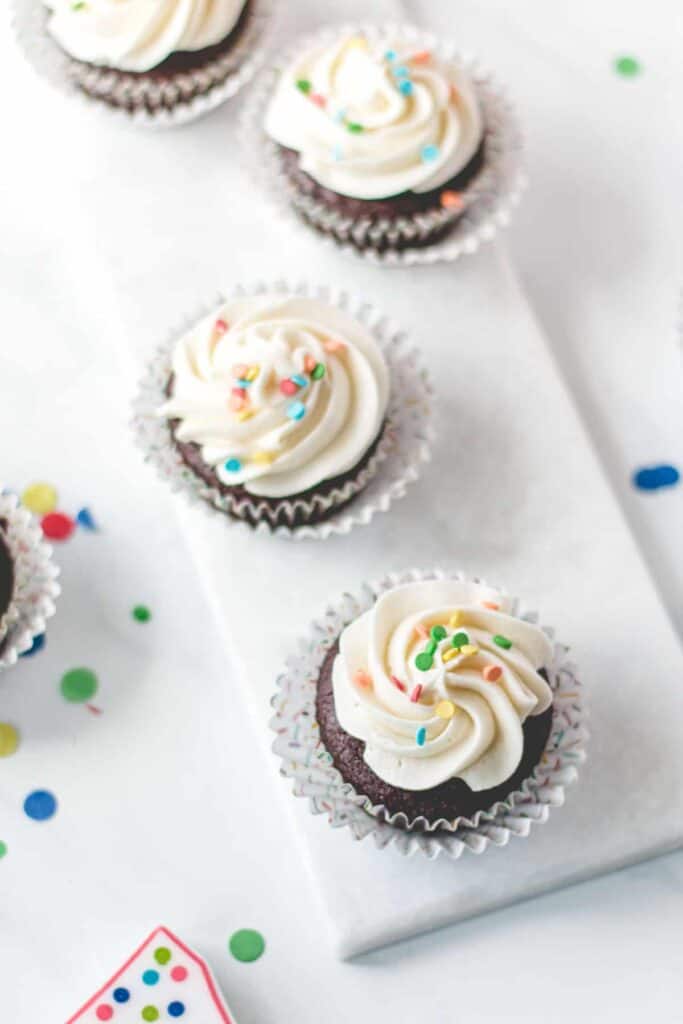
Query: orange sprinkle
pixel 362 678
pixel 491 673
pixel 492 605
pixel 422 631
pixel 310 363
pixel 421 57
pixel 451 200
pixel 334 345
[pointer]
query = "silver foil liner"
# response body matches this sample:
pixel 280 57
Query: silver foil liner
pixel 182 97
pixel 307 763
pixel 487 203
pixel 404 446
pixel 35 581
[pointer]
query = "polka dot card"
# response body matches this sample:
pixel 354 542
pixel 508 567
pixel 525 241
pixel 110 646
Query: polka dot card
pixel 162 981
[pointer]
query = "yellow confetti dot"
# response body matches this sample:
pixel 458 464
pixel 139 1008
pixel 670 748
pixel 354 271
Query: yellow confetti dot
pixel 253 372
pixel 455 620
pixel 445 709
pixel 246 414
pixel 468 650
pixel 9 739
pixel 451 653
pixel 263 458
pixel 40 498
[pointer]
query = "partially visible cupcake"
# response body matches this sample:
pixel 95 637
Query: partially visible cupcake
pixel 277 404
pixel 379 139
pixel 28 586
pixel 151 57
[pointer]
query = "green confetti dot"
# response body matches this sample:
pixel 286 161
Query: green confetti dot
pixel 424 661
pixel 3 849
pixel 303 85
pixel 460 639
pixel 437 633
pixel 318 371
pixel 627 66
pixel 162 955
pixel 141 613
pixel 502 641
pixel 78 685
pixel 150 1013
pixel 247 945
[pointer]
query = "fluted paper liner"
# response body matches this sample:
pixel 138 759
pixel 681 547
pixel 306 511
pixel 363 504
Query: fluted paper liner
pixel 308 764
pixel 488 201
pixel 404 446
pixel 182 97
pixel 35 581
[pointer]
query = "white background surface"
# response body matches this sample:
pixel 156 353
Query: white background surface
pixel 109 237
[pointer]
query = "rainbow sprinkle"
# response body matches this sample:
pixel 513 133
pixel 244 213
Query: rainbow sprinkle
pixel 416 693
pixel 421 736
pixel 502 641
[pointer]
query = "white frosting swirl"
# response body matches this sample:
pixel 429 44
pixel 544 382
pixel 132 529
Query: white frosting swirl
pixel 315 403
pixel 371 126
pixel 472 704
pixel 136 35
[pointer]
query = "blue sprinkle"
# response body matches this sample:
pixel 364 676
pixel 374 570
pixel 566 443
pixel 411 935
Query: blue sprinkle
pixel 84 518
pixel 121 995
pixel 429 152
pixel 390 55
pixel 421 736
pixel 337 153
pixel 150 977
pixel 40 805
pixel 242 383
pixel 176 1008
pixel 233 465
pixel 406 88
pixel 37 645
pixel 340 116
pixel 299 380
pixel 401 72
pixel 296 410
pixel 651 478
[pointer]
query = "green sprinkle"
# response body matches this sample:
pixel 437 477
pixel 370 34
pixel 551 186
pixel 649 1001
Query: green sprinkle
pixel 502 641
pixel 303 85
pixel 627 66
pixel 141 613
pixel 318 371
pixel 437 633
pixel 424 661
pixel 354 127
pixel 460 639
pixel 431 647
pixel 79 5
pixel 3 849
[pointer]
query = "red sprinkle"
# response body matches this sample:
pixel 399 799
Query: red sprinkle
pixel 491 673
pixel 398 684
pixel 416 693
pixel 319 100
pixel 288 387
pixel 220 327
pixel 57 526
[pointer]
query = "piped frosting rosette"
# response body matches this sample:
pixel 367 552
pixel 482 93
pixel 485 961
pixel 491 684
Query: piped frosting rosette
pixel 107 52
pixel 295 400
pixel 35 588
pixel 360 135
pixel 458 724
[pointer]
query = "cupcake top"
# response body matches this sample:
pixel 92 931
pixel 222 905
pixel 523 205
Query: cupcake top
pixel 437 679
pixel 373 120
pixel 136 35
pixel 280 393
pixel 6 578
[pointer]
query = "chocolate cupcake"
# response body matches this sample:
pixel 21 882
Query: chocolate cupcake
pixel 6 582
pixel 381 141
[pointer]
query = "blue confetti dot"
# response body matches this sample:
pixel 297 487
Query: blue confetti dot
pixel 233 465
pixel 176 1009
pixel 406 88
pixel 150 977
pixel 84 518
pixel 296 410
pixel 40 805
pixel 651 478
pixel 121 995
pixel 429 152
pixel 37 645
pixel 402 71
pixel 390 55
pixel 299 380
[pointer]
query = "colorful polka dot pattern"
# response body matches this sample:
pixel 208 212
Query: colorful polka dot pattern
pixel 150 977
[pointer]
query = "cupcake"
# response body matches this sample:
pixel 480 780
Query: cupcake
pixel 432 706
pixel 28 586
pixel 152 58
pixel 277 405
pixel 380 140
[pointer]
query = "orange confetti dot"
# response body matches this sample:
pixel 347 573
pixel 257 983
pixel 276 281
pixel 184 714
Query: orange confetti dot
pixel 421 57
pixel 491 673
pixel 240 371
pixel 491 605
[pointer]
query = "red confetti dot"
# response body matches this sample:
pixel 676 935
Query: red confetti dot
pixel 179 973
pixel 57 526
pixel 104 1012
pixel 288 387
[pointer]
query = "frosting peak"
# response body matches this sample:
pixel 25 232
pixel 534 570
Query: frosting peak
pixel 437 679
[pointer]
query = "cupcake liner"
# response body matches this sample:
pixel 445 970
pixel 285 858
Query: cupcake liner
pixel 35 581
pixel 184 96
pixel 488 201
pixel 308 764
pixel 404 446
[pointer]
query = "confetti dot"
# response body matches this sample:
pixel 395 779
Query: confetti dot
pixel 429 153
pixel 176 1009
pixel 40 498
pixel 421 736
pixel 651 478
pixel 179 973
pixel 247 945
pixel 84 518
pixel 121 995
pixel 57 526
pixel 300 381
pixel 491 673
pixel 141 613
pixel 150 1013
pixel 78 685
pixel 424 661
pixel 445 709
pixel 627 66
pixel 37 645
pixel 296 410
pixel 104 1012
pixel 390 55
pixel 9 739
pixel 233 465
pixel 162 954
pixel 354 127
pixel 288 387
pixel 3 849
pixel 406 87
pixel 40 805
pixel 460 639
pixel 150 977
pixel 503 642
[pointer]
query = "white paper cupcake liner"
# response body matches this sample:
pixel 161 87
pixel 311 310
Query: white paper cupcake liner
pixel 35 581
pixel 155 104
pixel 306 761
pixel 488 202
pixel 397 461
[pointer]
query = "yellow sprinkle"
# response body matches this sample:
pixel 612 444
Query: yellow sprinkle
pixel 451 653
pixel 358 42
pixel 40 498
pixel 468 649
pixel 455 620
pixel 445 709
pixel 263 458
pixel 244 415
pixel 253 372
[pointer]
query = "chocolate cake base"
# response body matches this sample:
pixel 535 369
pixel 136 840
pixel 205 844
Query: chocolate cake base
pixel 406 205
pixel 6 572
pixel 451 799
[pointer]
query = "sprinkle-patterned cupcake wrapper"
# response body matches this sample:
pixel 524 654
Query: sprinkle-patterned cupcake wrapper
pixel 182 97
pixel 35 581
pixel 487 203
pixel 397 461
pixel 308 764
